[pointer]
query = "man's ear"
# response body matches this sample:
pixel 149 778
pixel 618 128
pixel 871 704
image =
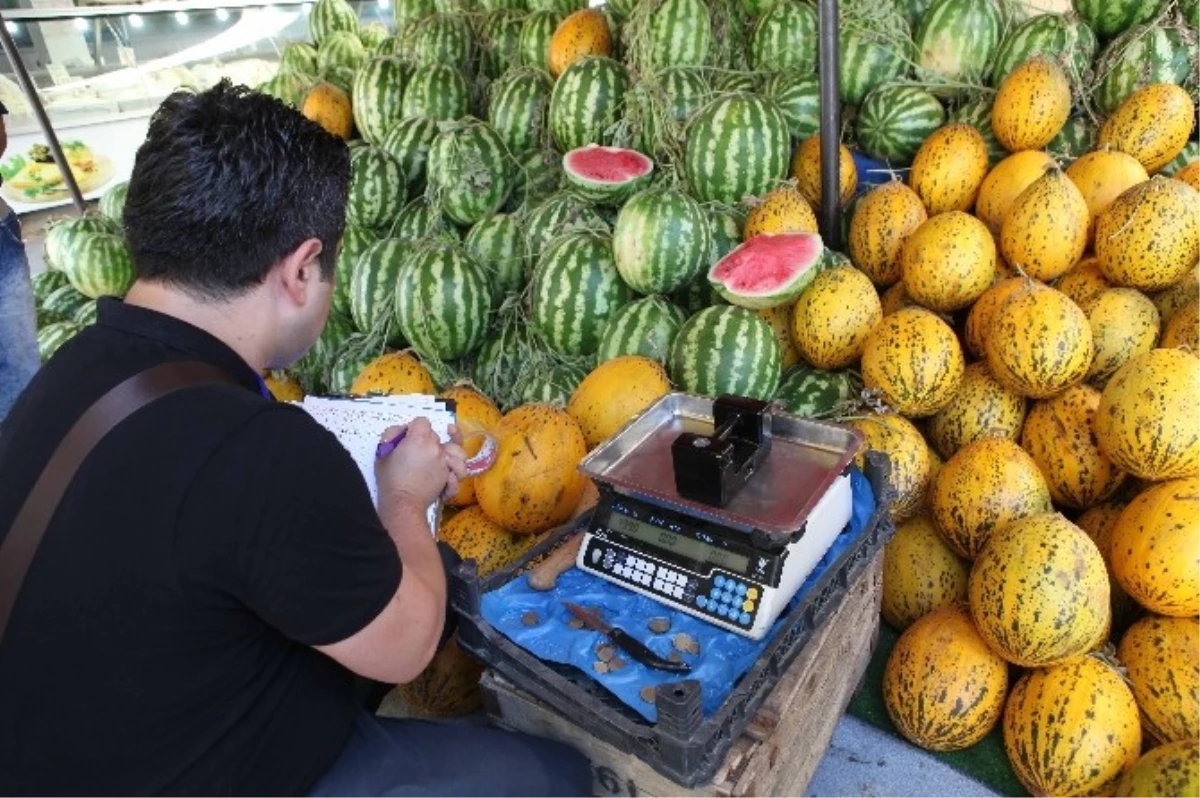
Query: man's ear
pixel 300 270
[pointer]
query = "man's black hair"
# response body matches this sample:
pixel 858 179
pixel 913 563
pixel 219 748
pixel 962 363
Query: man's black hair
pixel 227 183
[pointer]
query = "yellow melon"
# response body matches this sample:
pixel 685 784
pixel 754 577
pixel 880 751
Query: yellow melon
pixel 1101 177
pixel 1058 435
pixel 981 408
pixel 393 373
pixel 782 210
pixel 1039 342
pixel 902 442
pixel 1171 300
pixel 833 318
pixel 1005 183
pixel 949 168
pixel 615 392
pixel 914 359
pixel 979 320
pixel 283 386
pixel 1084 284
pixel 1149 237
pixel 1162 660
pixel 1098 522
pixel 948 262
pixel 1154 552
pixel 329 107
pixel 1124 324
pixel 883 219
pixel 1044 232
pixel 1168 771
pixel 1190 174
pixel 1152 125
pixel 806 168
pixel 1183 330
pixel 475 413
pixel 584 33
pixel 780 319
pixel 1032 105
pixel 896 298
pixel 920 573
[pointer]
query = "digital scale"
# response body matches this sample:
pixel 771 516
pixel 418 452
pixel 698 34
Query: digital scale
pixel 718 508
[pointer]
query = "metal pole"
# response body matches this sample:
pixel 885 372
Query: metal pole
pixel 10 49
pixel 831 124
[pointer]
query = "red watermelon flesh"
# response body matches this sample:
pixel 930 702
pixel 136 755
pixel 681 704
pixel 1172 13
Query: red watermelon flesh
pixel 768 270
pixel 607 164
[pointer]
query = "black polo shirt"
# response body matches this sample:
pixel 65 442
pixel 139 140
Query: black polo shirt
pixel 162 642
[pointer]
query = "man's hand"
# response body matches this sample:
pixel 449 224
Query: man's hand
pixel 456 461
pixel 416 473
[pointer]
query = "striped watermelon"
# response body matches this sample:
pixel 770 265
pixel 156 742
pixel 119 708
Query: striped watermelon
pixel 289 88
pixel 534 43
pixel 501 360
pixel 538 176
pixel 1191 152
pixel 799 99
pixel 684 91
pixel 422 219
pixel 443 39
pixel 586 102
pixel 785 38
pixel 646 327
pixel 725 350
pixel 112 202
pixel 45 283
pixel 496 245
pixel 298 58
pixel 561 7
pixel 500 42
pixel 670 33
pixel 51 337
pixel 1110 18
pixel 373 34
pixel 874 48
pixel 470 170
pixel 725 232
pixel 661 241
pixel 377 97
pixel 576 290
pixel 1077 137
pixel 341 76
pixel 698 295
pixel 518 105
pixel 407 12
pixel 340 49
pixel 1143 55
pixel 443 299
pixel 1190 9
pixel 98 264
pixel 956 41
pixel 658 106
pixel 87 314
pixel 1065 38
pixel 62 236
pixel 61 304
pixel 812 393
pixel 355 241
pixel 607 175
pixel 737 145
pixel 492 6
pixel 390 47
pixel 331 16
pixel 317 363
pixel 349 361
pixel 550 219
pixel 408 142
pixel 373 288
pixel 978 114
pixel 377 188
pixel 894 121
pixel 550 382
pixel 914 10
pixel 438 92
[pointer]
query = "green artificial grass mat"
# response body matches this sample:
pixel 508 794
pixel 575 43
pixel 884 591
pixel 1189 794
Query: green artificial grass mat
pixel 985 761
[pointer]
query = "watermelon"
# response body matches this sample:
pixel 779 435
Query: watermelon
pixel 768 270
pixel 670 33
pixel 355 241
pixel 340 49
pixel 645 327
pixel 1064 38
pixel 421 219
pixel 392 46
pixel 328 17
pixel 725 350
pixel 373 35
pixel 373 288
pixel 698 295
pixel 538 176
pixel 661 241
pixel 816 394
pixel 576 290
pixel 62 236
pixel 62 303
pixel 377 97
pixel 500 42
pixel 914 10
pixel 684 91
pixel 1077 137
pixel 552 218
pixel 894 121
pixel 978 114
pixel 1191 152
pixel 501 360
pixel 586 102
pixel 470 170
pixel 1190 9
pixel 438 92
pixel 319 361
pixel 534 42
pixel 443 39
pixel 736 83
pixel 407 12
pixel 98 264
pixel 563 7
pixel 298 58
pixel 377 188
pixel 339 75
pixel 51 337
pixel 408 142
pixel 737 145
pixel 1110 18
pixel 517 107
pixel 1141 56
pixel 443 299
pixel 112 202
pixel 785 38
pixel 45 283
pixel 289 88
pixel 87 313
pixel 956 41
pixel 661 103
pixel 874 48
pixel 495 244
pixel 725 229
pixel 349 362
pixel 493 6
pixel 550 382
pixel 799 99
pixel 607 175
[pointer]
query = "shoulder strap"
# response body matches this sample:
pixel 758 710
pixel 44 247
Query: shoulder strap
pixel 31 521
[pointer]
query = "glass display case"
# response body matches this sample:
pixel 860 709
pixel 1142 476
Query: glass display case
pixel 101 70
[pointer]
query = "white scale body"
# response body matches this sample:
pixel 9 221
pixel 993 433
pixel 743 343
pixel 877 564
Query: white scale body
pixel 700 559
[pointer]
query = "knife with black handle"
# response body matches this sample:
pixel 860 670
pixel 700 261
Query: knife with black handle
pixel 626 642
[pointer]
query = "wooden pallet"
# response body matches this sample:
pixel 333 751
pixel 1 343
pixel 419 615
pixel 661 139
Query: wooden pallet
pixel 780 748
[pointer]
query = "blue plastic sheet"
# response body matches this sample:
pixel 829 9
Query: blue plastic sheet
pixel 723 658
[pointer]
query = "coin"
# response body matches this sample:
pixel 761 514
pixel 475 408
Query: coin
pixel 600 667
pixel 647 693
pixel 686 643
pixel 660 625
pixel 575 623
pixel 530 618
pixel 616 664
pixel 605 652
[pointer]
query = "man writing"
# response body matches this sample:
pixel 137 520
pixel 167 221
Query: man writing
pixel 215 574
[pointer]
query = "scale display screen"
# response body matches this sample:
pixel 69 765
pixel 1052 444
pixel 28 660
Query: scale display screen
pixel 679 544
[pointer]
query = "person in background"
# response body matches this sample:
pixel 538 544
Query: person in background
pixel 215 578
pixel 18 325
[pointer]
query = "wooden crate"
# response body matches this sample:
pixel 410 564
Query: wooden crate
pixel 780 748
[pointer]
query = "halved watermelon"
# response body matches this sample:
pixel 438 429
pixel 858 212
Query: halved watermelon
pixel 607 175
pixel 768 270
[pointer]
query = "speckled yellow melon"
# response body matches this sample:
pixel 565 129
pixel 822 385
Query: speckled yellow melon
pixel 1190 174
pixel 1183 330
pixel 1032 105
pixel 1152 125
pixel 1098 522
pixel 1072 729
pixel 896 298
pixel 1084 284
pixel 883 218
pixel 615 392
pixel 1124 324
pixel 979 320
pixel 833 318
pixel 806 168
pixel 1044 232
pixel 474 536
pixel 584 33
pixel 780 319
pixel 1101 177
pixel 984 487
pixel 1171 300
pixel 948 262
pixel 949 168
pixel 981 408
pixel 782 210
pixel 1147 421
pixel 474 414
pixel 283 386
pixel 1039 342
pixel 1168 771
pixel 943 688
pixel 1058 436
pixel 920 573
pixel 393 373
pixel 914 359
pixel 329 107
pixel 1162 661
pixel 1154 551
pixel 1005 183
pixel 902 442
pixel 1149 237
